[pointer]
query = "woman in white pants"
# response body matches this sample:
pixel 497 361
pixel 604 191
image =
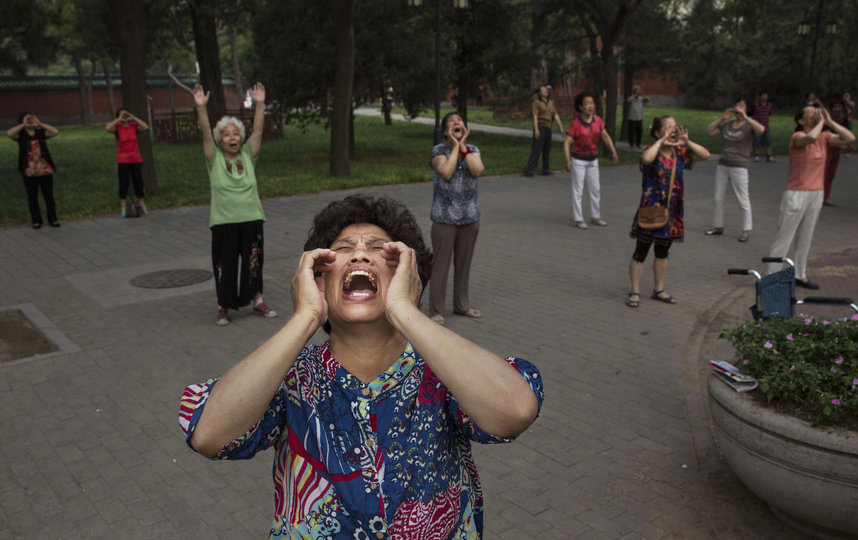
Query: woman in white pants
pixel 585 131
pixel 737 137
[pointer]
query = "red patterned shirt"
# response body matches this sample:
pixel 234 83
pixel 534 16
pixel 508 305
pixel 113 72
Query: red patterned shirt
pixel 585 137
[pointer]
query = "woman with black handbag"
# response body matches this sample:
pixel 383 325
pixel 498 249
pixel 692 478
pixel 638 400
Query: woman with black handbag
pixel 659 219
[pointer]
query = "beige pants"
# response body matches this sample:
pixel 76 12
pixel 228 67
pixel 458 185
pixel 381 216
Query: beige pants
pixel 456 243
pixel 797 220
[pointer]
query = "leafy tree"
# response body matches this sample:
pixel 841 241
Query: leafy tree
pixel 25 36
pixel 732 48
pixel 606 19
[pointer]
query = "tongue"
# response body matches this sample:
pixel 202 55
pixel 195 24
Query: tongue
pixel 360 283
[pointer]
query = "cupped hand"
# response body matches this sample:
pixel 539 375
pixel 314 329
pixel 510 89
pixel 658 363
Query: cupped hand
pixel 257 92
pixel 727 114
pixel 405 287
pixel 200 97
pixel 308 285
pixel 682 135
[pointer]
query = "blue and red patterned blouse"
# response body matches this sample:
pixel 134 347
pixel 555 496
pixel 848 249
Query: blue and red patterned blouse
pixel 387 459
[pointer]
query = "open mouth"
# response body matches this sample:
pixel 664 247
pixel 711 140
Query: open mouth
pixel 359 284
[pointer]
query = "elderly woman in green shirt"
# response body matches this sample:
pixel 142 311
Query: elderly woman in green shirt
pixel 236 215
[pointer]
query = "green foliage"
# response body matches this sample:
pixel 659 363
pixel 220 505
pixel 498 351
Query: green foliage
pixel 25 34
pixel 735 47
pixel 802 364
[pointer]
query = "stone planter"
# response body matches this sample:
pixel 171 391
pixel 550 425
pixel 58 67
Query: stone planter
pixel 808 476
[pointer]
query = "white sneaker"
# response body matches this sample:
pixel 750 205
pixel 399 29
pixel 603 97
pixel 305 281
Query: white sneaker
pixel 599 221
pixel 581 225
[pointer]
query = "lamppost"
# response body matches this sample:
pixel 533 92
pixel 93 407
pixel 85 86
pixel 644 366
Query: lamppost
pixel 804 29
pixel 456 4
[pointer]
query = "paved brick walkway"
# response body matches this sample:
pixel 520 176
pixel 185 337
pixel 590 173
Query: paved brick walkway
pixel 90 446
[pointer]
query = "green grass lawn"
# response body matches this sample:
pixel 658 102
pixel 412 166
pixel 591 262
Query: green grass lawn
pixel 85 183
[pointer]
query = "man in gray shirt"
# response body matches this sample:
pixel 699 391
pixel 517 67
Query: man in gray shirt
pixel 737 135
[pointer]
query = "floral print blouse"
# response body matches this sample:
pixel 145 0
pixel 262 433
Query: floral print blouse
pixel 387 459
pixel 654 184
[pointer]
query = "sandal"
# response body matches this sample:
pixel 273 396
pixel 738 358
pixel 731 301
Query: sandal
pixel 666 299
pixel 745 236
pixel 470 312
pixel 633 303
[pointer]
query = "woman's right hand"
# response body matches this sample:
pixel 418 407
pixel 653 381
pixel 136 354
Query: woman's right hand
pixel 308 284
pixel 200 97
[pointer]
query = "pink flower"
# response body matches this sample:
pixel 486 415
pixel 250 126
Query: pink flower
pixel 825 323
pixel 808 321
pixel 854 317
pixel 746 362
pixel 789 337
pixel 835 402
pixel 833 369
pixel 792 368
pixel 757 325
pixel 854 382
pixel 839 361
pixel 806 334
pixel 768 345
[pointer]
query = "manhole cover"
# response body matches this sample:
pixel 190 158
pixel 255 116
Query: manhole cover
pixel 19 337
pixel 167 279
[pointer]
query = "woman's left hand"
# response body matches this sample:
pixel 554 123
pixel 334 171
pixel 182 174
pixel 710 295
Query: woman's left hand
pixel 405 287
pixel 682 135
pixel 257 92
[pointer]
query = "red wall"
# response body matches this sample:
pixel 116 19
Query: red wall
pixel 63 107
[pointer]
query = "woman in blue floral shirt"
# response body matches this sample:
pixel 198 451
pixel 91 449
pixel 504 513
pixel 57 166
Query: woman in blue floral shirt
pixel 672 150
pixel 456 168
pixel 372 428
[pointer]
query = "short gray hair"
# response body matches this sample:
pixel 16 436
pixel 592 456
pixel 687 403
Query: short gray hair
pixel 221 125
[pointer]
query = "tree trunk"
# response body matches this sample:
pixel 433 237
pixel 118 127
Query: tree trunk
pixel 343 12
pixel 236 72
pixel 129 23
pixel 81 87
pixel 628 82
pixel 609 71
pixel 108 81
pixel 90 109
pixel 208 55
pixel 352 147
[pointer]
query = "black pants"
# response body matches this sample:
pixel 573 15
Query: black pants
pixel 134 172
pixel 635 132
pixel 32 184
pixel 543 145
pixel 236 284
pixel 642 249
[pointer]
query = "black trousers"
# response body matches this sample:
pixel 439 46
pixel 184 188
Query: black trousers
pixel 635 132
pixel 46 183
pixel 543 145
pixel 237 259
pixel 134 172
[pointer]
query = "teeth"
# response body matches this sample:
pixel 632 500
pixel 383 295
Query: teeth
pixel 359 273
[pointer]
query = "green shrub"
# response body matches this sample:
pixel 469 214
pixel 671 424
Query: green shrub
pixel 804 366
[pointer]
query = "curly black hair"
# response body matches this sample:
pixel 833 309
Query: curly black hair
pixel 390 215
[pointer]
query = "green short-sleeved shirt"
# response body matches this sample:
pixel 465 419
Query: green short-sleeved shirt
pixel 235 198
